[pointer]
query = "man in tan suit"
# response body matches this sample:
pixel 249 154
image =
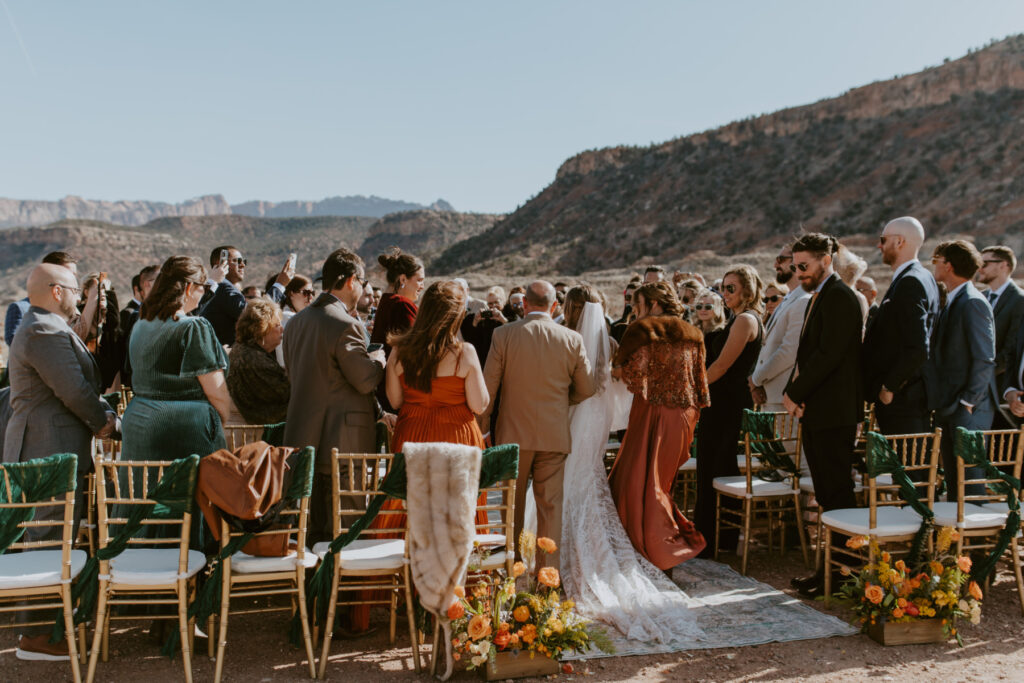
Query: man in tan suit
pixel 542 369
pixel 333 379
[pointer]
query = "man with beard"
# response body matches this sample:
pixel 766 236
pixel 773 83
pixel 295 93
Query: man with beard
pixel 824 389
pixel 781 338
pixel 897 337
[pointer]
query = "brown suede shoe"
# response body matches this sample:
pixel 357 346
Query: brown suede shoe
pixel 40 649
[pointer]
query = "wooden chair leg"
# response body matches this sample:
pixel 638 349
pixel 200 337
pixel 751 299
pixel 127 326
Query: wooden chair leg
pixel 718 521
pixel 211 643
pixel 307 637
pixel 106 637
pixel 83 650
pixel 328 628
pixel 414 639
pixel 1015 560
pixel 97 637
pixel 70 632
pixel 435 652
pixel 183 630
pixel 828 565
pixel 393 616
pixel 748 512
pixel 818 540
pixel 222 633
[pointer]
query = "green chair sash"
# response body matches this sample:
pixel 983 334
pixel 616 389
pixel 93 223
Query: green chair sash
pixel 764 441
pixel 38 481
pixel 970 446
pixel 880 459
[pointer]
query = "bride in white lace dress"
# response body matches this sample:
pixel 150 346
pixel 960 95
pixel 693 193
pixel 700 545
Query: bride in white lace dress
pixel 600 570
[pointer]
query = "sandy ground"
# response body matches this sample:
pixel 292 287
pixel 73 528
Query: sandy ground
pixel 258 651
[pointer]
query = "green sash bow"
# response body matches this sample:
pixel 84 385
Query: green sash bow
pixel 882 459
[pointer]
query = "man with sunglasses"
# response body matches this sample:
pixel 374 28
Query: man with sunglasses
pixel 223 302
pixel 1007 302
pixel 824 389
pixel 781 339
pixel 896 342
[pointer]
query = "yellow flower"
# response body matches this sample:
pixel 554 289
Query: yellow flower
pixel 518 569
pixel 527 545
pixel 964 563
pixel 945 538
pixel 479 627
pixel 975 590
pixel 874 593
pixel 548 576
pixel 521 613
pixel 528 633
pixel 555 625
pixel 546 544
pixel 568 605
pixel 936 567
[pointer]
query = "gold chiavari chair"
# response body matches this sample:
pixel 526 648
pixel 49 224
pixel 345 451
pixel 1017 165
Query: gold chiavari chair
pixel 240 435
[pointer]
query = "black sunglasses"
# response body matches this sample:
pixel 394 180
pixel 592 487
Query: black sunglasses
pixel 240 261
pixel 730 288
pixel 773 298
pixel 704 307
pixel 802 267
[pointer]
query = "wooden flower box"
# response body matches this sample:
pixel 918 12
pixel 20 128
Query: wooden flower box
pixel 908 633
pixel 519 665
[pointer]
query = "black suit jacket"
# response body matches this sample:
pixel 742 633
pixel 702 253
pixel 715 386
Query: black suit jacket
pixel 223 311
pixel 1011 378
pixel 896 341
pixel 1009 316
pixel 827 377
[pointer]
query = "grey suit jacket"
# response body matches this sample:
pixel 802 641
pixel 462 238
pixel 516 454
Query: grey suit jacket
pixel 333 379
pixel 55 392
pixel 542 369
pixel 781 339
pixel 962 360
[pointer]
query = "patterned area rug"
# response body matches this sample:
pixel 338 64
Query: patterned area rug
pixel 733 610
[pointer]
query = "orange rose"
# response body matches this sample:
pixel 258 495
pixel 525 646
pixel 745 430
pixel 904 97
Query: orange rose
pixel 901 566
pixel 518 569
pixel 456 611
pixel 964 563
pixel 975 590
pixel 855 542
pixel 521 613
pixel 897 613
pixel 501 639
pixel 528 633
pixel 513 640
pixel 874 593
pixel 548 576
pixel 460 592
pixel 479 627
pixel 546 544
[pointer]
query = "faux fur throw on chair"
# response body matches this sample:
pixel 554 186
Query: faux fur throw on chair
pixel 441 500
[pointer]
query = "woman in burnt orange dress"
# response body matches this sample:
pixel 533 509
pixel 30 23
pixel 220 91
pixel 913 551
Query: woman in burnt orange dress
pixel 661 360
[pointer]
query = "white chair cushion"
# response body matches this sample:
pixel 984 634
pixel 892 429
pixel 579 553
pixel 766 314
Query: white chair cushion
pixel 690 465
pixel 368 553
pixel 36 568
pixel 244 563
pixel 152 566
pixel 490 540
pixel 892 521
pixel 737 486
pixel 975 516
pixel 494 561
pixel 741 461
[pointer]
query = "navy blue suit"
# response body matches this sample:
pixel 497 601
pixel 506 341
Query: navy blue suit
pixel 895 351
pixel 961 370
pixel 1013 377
pixel 223 310
pixel 1009 315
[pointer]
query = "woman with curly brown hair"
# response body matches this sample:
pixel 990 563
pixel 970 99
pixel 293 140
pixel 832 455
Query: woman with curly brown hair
pixel 661 360
pixel 397 309
pixel 731 356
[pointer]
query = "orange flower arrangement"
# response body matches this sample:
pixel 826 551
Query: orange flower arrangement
pixel 456 611
pixel 479 627
pixel 874 593
pixel 521 613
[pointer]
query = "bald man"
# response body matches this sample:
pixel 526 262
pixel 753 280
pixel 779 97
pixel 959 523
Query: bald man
pixel 896 340
pixel 55 405
pixel 541 368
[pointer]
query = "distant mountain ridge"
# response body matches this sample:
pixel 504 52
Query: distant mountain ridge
pixel 945 144
pixel 29 212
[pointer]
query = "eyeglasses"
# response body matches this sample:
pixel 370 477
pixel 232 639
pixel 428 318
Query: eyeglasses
pixel 240 261
pixel 704 307
pixel 773 298
pixel 730 288
pixel 802 267
pixel 308 293
pixel 73 290
pixel 992 260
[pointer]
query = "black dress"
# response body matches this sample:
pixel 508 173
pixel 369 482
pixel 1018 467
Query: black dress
pixel 718 432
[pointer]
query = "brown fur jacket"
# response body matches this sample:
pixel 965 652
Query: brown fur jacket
pixel 662 360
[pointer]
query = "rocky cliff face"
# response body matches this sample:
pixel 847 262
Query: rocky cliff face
pixel 22 212
pixel 944 144
pixel 424 233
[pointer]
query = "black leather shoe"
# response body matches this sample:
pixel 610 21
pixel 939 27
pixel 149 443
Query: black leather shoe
pixel 818 590
pixel 807 581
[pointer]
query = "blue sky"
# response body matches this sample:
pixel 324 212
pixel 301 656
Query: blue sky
pixel 475 102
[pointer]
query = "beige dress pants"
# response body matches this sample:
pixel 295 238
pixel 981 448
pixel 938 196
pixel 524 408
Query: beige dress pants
pixel 547 470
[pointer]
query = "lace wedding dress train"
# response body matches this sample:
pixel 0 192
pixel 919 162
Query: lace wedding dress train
pixel 610 582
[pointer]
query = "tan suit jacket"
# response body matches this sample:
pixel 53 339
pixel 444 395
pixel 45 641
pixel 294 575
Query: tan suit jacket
pixel 332 403
pixel 542 369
